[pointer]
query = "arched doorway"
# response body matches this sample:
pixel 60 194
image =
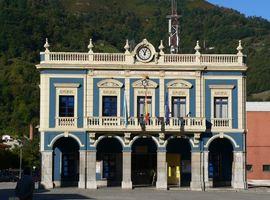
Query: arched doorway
pixel 220 162
pixel 109 162
pixel 144 162
pixel 178 162
pixel 66 162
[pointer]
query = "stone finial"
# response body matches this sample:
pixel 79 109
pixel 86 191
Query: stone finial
pixel 126 47
pixel 239 48
pixel 197 47
pixel 161 47
pixel 90 46
pixel 46 46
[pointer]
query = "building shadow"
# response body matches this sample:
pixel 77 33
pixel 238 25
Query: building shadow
pixel 6 194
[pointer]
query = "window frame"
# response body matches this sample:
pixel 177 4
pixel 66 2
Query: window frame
pixel 103 105
pixel 66 108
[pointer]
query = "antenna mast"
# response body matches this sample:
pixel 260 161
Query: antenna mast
pixel 173 28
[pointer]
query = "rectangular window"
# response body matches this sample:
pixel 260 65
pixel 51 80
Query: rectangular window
pixel 109 106
pixel 66 106
pixel 266 168
pixel 141 109
pixel 249 168
pixel 178 107
pixel 221 107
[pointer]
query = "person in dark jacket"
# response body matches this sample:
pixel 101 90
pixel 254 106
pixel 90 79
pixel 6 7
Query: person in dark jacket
pixel 25 186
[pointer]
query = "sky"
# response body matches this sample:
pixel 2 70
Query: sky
pixel 259 8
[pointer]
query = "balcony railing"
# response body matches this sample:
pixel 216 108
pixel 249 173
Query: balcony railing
pixel 153 124
pixel 221 123
pixel 66 122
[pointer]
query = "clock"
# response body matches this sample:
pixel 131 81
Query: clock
pixel 144 53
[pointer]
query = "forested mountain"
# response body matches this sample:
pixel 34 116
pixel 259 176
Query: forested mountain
pixel 24 25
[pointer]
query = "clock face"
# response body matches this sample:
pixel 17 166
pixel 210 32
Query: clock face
pixel 144 53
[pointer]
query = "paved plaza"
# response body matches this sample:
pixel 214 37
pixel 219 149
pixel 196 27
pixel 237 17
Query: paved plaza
pixel 7 191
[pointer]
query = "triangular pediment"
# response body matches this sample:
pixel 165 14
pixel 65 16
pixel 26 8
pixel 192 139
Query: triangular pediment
pixel 110 83
pixel 139 84
pixel 179 84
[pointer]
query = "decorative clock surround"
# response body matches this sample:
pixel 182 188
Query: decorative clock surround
pixel 144 51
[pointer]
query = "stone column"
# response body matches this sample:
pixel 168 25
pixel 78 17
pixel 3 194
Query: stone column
pixel 238 170
pixel 126 178
pixel 207 184
pixel 91 182
pixel 82 166
pixel 196 171
pixel 46 169
pixel 161 170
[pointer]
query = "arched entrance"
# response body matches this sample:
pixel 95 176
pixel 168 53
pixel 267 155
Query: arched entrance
pixel 109 162
pixel 178 162
pixel 66 162
pixel 220 162
pixel 144 162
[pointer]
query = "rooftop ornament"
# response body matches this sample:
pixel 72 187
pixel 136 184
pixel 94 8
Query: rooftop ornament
pixel 126 47
pixel 240 48
pixel 161 47
pixel 90 46
pixel 46 46
pixel 197 48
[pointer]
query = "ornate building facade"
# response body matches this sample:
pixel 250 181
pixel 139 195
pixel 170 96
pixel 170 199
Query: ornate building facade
pixel 142 118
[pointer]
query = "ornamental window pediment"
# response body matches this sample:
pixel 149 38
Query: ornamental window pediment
pixel 110 83
pixel 179 84
pixel 140 84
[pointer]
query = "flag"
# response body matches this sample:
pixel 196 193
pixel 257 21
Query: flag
pixel 167 109
pixel 125 111
pixel 146 113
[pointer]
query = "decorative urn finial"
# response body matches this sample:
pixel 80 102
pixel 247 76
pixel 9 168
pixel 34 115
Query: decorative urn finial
pixel 239 48
pixel 161 47
pixel 126 47
pixel 90 46
pixel 197 47
pixel 46 46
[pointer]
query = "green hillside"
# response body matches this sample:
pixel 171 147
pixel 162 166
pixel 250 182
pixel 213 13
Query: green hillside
pixel 70 23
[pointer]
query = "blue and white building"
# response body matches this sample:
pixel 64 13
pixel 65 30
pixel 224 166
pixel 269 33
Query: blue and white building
pixel 142 118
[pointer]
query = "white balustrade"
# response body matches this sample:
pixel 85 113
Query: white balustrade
pixel 154 123
pixel 121 58
pixel 66 121
pixel 215 59
pixel 179 58
pixel 221 123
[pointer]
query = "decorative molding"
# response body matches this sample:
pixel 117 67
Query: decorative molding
pixel 109 83
pixel 221 86
pixel 65 135
pixel 127 138
pixel 66 85
pixel 139 84
pixel 179 84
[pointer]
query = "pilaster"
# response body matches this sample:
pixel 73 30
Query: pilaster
pixel 91 182
pixel 46 169
pixel 196 171
pixel 126 181
pixel 90 94
pixel 238 175
pixel 161 170
pixel 82 175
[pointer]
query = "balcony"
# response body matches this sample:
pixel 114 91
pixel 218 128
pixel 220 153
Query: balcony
pixel 190 124
pixel 221 123
pixel 66 122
